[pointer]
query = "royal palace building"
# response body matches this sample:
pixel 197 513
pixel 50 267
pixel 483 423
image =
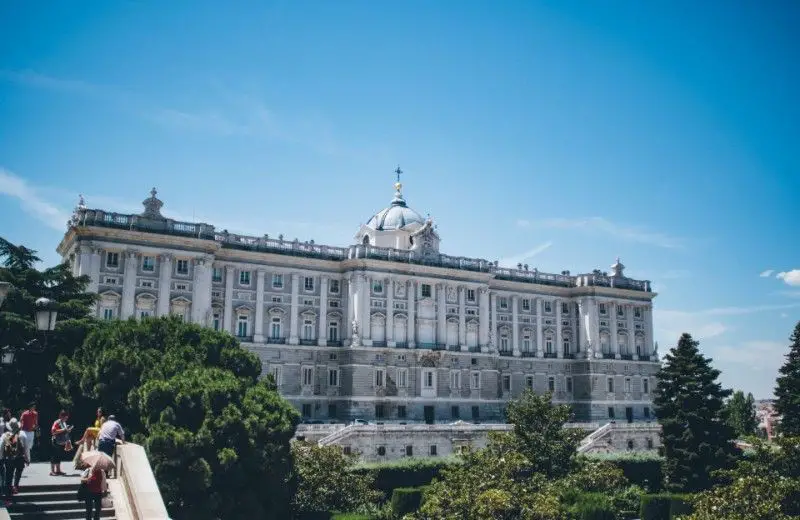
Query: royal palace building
pixel 387 329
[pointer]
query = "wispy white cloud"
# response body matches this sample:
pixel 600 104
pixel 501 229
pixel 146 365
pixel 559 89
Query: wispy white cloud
pixel 767 273
pixel 512 261
pixel 16 187
pixel 602 225
pixel 738 311
pixel 790 277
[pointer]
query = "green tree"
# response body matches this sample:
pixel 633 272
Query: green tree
pixel 740 414
pixel 689 403
pixel 28 378
pixel 326 482
pixel 787 393
pixel 218 438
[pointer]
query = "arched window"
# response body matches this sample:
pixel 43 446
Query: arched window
pixel 366 240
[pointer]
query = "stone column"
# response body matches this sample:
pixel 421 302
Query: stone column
pixel 347 333
pixel 493 324
pixel 515 325
pixel 228 313
pixel 258 330
pixel 388 286
pixel 322 335
pixel 539 331
pixel 594 326
pixel 365 295
pixel 631 330
pixel 441 314
pixel 612 311
pixel 294 339
pixel 483 335
pixel 559 341
pixel 94 270
pixel 574 327
pixel 648 327
pixel 129 285
pixel 201 290
pixel 462 317
pixel 164 282
pixel 583 338
pixel 411 293
pixel 84 262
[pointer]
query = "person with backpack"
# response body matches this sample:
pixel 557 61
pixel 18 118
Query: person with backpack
pixel 13 454
pixel 60 443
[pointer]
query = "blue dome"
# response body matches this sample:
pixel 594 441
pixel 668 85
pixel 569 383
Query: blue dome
pixel 397 216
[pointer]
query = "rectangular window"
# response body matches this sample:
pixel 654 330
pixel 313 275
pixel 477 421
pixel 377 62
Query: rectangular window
pixel 503 302
pixel 610 385
pixel 333 331
pixel 244 278
pixel 333 303
pixel 308 302
pixel 112 259
pixel 308 376
pixel 379 411
pixel 551 384
pixel 455 380
pixel 475 380
pixel 455 412
pixel 380 377
pixel 402 378
pixel 427 379
pixel 611 412
pixel 646 385
pixel 308 283
pixel 144 314
pixel 476 413
pixel 426 290
pixel 182 267
pixel 620 310
pixel 377 286
pixel 409 451
pixel 506 383
pixel 569 385
pixel 241 330
pixel 277 372
pixel 627 385
pixel 401 411
pixel 277 299
pixel 433 450
pixel 470 295
pixel 148 263
pixel 548 307
pixel 333 377
pixel 216 320
pixel 332 411
pixel 181 287
pixel 216 274
pixel 146 283
pixel 306 410
pixel 275 328
pixel 277 281
pixel 646 412
pixel 333 287
pixel 108 314
pixel 603 309
pixel 564 308
pixel 637 312
pixel 526 304
pixel 111 280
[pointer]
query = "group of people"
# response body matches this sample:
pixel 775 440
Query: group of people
pixel 17 438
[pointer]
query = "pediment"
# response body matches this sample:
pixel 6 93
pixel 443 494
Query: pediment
pixel 335 314
pixel 400 316
pixel 243 308
pixel 110 295
pixel 308 314
pixel 181 300
pixel 276 311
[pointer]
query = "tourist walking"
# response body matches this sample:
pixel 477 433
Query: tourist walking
pixel 95 486
pixel 4 420
pixel 29 424
pixel 12 452
pixel 109 433
pixel 59 443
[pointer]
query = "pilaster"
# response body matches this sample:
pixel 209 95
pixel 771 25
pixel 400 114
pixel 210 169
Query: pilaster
pixel 388 286
pixel 631 329
pixel 294 339
pixel 228 318
pixel 648 327
pixel 164 282
pixel 411 293
pixel 94 270
pixel 515 325
pixel 258 329
pixel 201 291
pixel 365 292
pixel 441 313
pixel 559 339
pixel 462 317
pixel 539 331
pixel 351 308
pixel 612 311
pixel 129 285
pixel 483 317
pixel 322 335
pixel 493 324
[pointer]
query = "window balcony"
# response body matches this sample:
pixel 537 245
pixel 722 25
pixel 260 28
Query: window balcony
pixel 506 353
pixel 308 342
pixel 528 354
pixel 432 346
pixel 276 340
pixel 401 344
pixel 569 355
pixel 245 339
pixel 334 343
pixel 550 355
pixel 474 349
pixel 453 348
pixel 378 343
pixel 608 355
pixel 627 357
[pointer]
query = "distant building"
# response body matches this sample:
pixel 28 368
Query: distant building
pixel 387 329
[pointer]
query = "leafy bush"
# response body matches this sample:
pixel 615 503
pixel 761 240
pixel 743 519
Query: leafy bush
pixel 409 472
pixel 588 506
pixel 680 505
pixel 349 516
pixel 655 507
pixel 626 502
pixel 642 469
pixel 595 476
pixel 406 500
pixel 586 511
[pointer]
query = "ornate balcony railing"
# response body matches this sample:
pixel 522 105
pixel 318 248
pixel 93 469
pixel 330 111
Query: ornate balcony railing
pixel 609 355
pixel 528 354
pixel 401 344
pixel 334 343
pixel 453 348
pixel 378 343
pixel 569 355
pixel 627 357
pixel 276 340
pixel 474 349
pixel 550 355
pixel 308 342
pixel 505 353
pixel 95 217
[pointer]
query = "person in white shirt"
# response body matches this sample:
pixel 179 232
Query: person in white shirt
pixel 109 433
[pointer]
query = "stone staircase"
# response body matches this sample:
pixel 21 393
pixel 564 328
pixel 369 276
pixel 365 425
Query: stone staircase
pixel 44 497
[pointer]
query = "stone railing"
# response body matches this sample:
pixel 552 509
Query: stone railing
pixel 139 491
pixel 94 217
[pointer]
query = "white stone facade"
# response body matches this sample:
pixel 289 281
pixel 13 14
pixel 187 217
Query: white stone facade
pixel 387 329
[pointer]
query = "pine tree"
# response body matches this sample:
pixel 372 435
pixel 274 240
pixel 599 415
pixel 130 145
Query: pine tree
pixel 787 392
pixel 740 414
pixel 689 405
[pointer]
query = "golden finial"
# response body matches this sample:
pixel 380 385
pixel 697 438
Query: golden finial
pixel 397 185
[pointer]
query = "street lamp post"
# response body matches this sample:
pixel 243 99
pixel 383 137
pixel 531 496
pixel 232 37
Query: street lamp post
pixel 45 318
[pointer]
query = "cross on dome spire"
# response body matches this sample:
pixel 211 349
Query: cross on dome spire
pixel 399 172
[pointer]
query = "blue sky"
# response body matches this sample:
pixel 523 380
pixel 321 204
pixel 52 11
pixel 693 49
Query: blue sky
pixel 558 134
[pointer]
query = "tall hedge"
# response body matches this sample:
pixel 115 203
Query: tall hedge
pixel 406 500
pixel 665 506
pixel 642 469
pixel 405 473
